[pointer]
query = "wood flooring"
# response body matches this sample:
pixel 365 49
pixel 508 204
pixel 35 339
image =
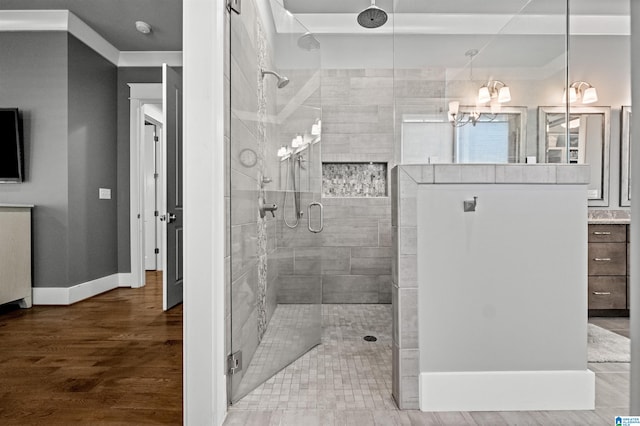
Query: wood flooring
pixel 116 359
pixel 113 359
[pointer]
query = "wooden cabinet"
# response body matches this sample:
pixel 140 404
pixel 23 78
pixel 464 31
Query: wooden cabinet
pixel 608 270
pixel 15 255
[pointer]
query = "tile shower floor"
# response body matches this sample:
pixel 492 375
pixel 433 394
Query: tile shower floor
pixel 347 382
pixel 344 372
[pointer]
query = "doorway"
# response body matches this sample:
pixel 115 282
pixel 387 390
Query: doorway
pixel 145 107
pixel 156 183
pixel 153 188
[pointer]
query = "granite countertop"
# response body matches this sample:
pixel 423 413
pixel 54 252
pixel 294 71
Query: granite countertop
pixel 613 217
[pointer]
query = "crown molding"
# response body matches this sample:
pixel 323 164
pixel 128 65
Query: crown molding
pixel 63 20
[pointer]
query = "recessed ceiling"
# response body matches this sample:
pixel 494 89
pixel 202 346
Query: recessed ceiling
pixel 609 7
pixel 115 20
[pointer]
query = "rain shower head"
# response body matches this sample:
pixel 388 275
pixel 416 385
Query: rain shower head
pixel 282 80
pixel 372 17
pixel 307 41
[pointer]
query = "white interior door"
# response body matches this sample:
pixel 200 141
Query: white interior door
pixel 172 277
pixel 151 175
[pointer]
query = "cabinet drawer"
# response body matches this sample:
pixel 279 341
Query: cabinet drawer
pixel 607 292
pixel 607 259
pixel 607 233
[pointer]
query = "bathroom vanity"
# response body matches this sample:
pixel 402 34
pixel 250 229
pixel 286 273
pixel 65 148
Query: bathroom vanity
pixel 15 254
pixel 608 264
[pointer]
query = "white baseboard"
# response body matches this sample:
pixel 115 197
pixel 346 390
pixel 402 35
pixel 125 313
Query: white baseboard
pixel 125 279
pixel 507 391
pixel 70 295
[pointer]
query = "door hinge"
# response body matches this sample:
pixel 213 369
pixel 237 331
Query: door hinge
pixel 234 5
pixel 234 363
pixel 156 175
pixel 156 139
pixel 156 213
pixel 156 251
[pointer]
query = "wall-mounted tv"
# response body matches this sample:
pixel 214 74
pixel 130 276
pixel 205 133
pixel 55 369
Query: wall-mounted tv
pixel 11 146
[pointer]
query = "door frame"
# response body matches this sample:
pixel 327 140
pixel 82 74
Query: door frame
pixel 140 94
pixel 159 188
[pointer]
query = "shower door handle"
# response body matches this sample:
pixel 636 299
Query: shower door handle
pixel 315 230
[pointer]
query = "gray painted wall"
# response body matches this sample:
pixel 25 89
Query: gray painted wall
pixel 33 70
pixel 127 75
pixel 92 164
pixel 67 95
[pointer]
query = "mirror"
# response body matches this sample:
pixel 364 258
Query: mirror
pixel 478 136
pixel 588 144
pixel 625 158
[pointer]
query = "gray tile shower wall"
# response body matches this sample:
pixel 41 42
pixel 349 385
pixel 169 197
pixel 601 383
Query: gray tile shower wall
pixel 350 260
pixel 357 126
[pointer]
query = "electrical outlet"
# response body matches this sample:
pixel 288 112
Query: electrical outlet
pixel 104 194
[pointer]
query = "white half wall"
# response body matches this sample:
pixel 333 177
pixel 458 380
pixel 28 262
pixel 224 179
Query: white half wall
pixel 509 280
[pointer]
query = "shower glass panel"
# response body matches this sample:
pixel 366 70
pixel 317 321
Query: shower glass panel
pixel 480 63
pixel 274 165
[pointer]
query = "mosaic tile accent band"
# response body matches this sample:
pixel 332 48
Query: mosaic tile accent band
pixel 261 302
pixel 354 179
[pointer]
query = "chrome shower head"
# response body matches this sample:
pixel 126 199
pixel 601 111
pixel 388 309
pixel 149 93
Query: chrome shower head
pixel 372 17
pixel 282 80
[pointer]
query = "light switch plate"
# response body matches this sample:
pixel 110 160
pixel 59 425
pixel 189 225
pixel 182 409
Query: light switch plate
pixel 104 194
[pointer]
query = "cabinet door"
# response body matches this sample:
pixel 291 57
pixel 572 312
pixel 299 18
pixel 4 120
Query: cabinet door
pixel 608 292
pixel 607 259
pixel 607 233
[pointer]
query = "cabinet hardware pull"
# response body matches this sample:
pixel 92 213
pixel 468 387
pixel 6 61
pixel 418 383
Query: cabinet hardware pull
pixel 602 233
pixel 602 259
pixel 602 293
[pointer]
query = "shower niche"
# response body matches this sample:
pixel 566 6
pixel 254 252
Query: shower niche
pixel 362 179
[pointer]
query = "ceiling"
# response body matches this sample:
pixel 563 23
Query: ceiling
pixel 611 7
pixel 115 20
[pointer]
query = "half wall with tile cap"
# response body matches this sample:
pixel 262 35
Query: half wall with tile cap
pixel 489 274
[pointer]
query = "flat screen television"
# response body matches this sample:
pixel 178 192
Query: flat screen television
pixel 11 146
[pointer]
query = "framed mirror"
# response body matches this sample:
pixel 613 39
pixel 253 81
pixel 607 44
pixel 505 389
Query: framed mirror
pixel 589 140
pixel 474 135
pixel 625 157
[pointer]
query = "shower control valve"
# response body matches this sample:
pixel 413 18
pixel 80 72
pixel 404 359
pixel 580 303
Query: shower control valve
pixel 264 207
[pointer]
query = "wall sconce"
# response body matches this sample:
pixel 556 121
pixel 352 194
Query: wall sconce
pixel 494 89
pixel 581 90
pixel 316 128
pixel 283 151
pixel 297 141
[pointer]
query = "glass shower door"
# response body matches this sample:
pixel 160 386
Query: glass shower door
pixel 275 289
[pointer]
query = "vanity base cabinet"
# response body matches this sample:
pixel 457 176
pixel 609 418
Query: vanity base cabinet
pixel 607 292
pixel 608 270
pixel 15 255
